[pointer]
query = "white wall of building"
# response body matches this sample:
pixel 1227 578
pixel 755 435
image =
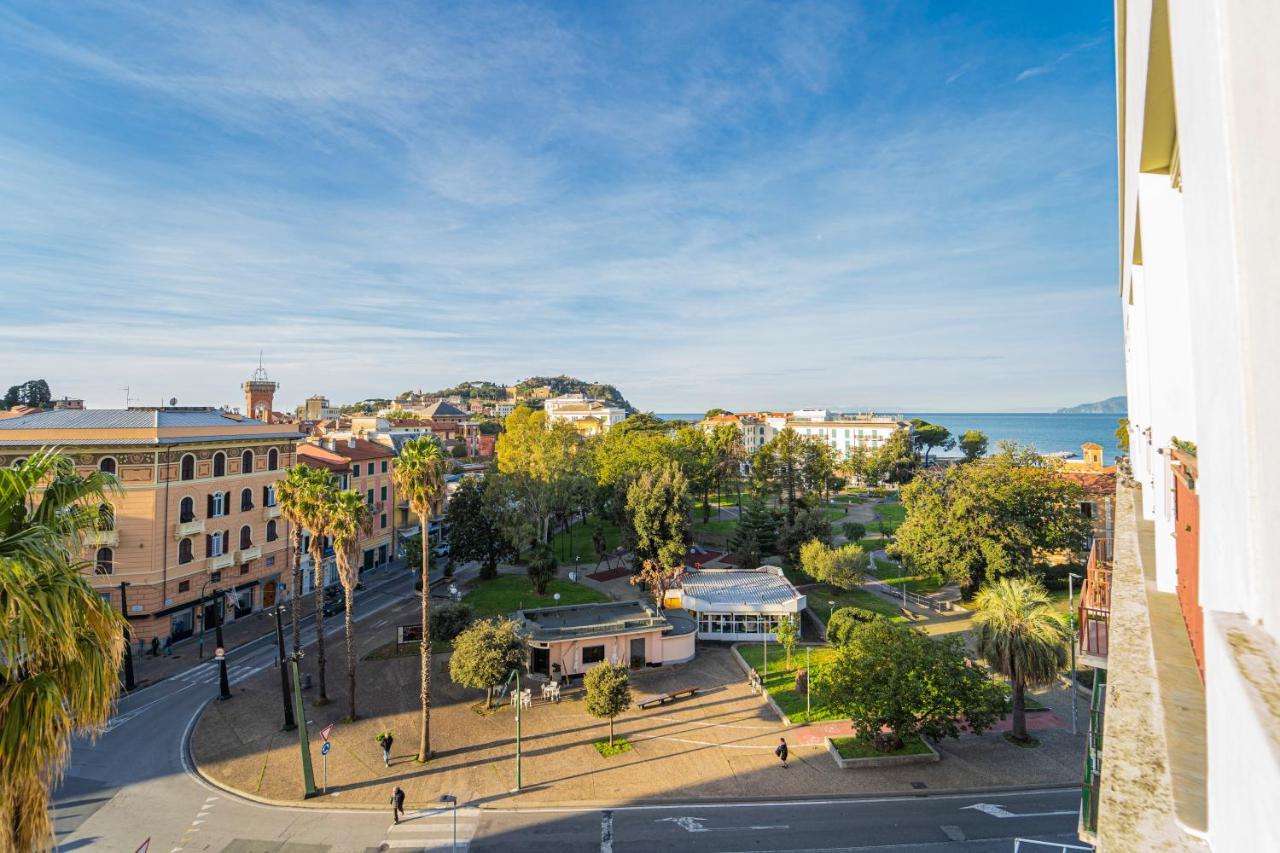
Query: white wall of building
pixel 1202 340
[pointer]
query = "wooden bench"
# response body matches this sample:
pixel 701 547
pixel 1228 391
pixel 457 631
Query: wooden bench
pixel 664 698
pixel 908 613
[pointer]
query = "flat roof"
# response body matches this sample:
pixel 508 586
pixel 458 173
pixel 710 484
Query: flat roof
pixel 765 585
pixel 577 621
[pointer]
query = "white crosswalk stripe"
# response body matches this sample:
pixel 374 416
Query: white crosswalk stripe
pixel 432 830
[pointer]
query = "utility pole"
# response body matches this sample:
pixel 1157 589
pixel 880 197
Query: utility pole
pixel 289 724
pixel 519 700
pixel 128 639
pixel 308 778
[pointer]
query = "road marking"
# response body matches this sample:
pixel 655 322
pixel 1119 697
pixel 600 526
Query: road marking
pixel 955 833
pixel 1001 812
pixel 606 831
pixel 753 804
pixel 694 824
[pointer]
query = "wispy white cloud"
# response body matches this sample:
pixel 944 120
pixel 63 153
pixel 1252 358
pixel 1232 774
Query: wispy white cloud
pixel 410 198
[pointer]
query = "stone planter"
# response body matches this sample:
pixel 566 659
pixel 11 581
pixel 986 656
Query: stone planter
pixel 882 761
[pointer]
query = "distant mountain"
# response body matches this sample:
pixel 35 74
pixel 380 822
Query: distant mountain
pixel 570 385
pixel 1110 406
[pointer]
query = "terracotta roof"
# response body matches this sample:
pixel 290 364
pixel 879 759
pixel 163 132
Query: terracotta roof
pixel 441 409
pixel 364 449
pixel 318 457
pixel 1101 482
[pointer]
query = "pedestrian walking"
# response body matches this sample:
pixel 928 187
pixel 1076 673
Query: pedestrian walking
pixel 397 804
pixel 387 740
pixel 155 647
pixel 782 751
pixel 168 645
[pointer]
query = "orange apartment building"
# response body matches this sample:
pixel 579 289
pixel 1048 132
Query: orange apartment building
pixel 368 468
pixel 196 511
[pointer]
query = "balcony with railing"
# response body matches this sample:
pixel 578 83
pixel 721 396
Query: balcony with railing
pixel 222 561
pixel 183 529
pixel 1091 787
pixel 1094 616
pixel 103 538
pixel 270 512
pixel 253 552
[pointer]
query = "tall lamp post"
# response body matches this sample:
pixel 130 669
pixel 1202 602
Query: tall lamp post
pixel 224 686
pixel 519 700
pixel 128 640
pixel 453 802
pixel 289 724
pixel 204 612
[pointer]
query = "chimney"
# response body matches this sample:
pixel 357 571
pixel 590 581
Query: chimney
pixel 351 442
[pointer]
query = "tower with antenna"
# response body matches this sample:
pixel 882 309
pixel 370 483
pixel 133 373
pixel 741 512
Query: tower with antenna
pixel 259 393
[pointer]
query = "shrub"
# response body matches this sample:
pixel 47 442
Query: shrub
pixel 842 623
pixel 802 680
pixel 448 621
pixel 541 568
pixel 854 530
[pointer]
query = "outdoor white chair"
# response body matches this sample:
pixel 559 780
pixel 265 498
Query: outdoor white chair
pixel 526 698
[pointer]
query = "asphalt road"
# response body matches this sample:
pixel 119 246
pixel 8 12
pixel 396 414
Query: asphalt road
pixel 133 784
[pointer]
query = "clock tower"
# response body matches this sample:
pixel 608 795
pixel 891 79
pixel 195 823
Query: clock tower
pixel 259 393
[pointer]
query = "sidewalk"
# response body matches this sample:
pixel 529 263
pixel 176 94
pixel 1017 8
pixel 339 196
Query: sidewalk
pixel 150 670
pixel 716 745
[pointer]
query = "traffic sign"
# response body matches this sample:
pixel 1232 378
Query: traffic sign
pixel 324 750
pixel 219 653
pixel 325 732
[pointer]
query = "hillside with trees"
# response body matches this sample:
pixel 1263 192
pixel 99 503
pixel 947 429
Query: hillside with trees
pixel 571 385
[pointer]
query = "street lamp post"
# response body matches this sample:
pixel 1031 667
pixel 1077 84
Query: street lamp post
pixel 1071 616
pixel 519 700
pixel 128 640
pixel 224 686
pixel 453 802
pixel 204 611
pixel 308 777
pixel 289 724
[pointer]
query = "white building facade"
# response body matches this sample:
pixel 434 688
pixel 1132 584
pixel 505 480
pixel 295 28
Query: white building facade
pixel 846 433
pixel 579 407
pixel 1198 94
pixel 738 605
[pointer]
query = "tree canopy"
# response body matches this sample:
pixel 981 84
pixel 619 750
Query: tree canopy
pixel 927 437
pixel 472 529
pixel 973 444
pixel 893 681
pixel 990 517
pixel 34 393
pixel 658 507
pixel 608 692
pixel 843 567
pixel 541 465
pixel 756 535
pixel 486 653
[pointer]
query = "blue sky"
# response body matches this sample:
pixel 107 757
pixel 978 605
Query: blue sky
pixel 901 205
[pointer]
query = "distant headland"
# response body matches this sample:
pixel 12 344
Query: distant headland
pixel 1110 406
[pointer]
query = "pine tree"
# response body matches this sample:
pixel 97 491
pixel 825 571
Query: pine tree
pixel 757 534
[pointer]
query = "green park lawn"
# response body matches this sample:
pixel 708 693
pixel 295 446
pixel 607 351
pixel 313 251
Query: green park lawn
pixel 820 595
pixel 852 747
pixel 579 544
pixel 507 593
pixel 780 679
pixel 716 527
pixel 893 574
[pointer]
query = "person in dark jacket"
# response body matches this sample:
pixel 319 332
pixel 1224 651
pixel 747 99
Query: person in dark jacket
pixel 782 751
pixel 397 804
pixel 387 740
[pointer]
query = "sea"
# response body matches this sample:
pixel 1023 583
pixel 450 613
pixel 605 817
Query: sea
pixel 1047 433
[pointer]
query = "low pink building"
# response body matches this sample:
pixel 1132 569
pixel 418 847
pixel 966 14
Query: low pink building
pixel 567 641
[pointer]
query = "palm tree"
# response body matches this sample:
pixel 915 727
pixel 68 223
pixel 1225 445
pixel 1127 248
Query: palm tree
pixel 349 519
pixel 420 477
pixel 61 643
pixel 1021 637
pixel 294 495
pixel 317 520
